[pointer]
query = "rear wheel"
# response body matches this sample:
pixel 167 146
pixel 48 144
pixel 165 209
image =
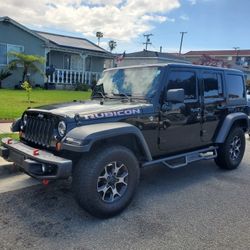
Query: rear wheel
pixel 231 152
pixel 105 182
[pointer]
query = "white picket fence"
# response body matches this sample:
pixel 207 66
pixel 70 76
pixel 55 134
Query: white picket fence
pixel 63 76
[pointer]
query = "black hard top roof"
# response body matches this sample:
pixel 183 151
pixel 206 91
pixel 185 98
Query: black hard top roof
pixel 179 65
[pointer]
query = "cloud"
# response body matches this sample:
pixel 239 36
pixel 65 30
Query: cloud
pixel 184 17
pixel 118 19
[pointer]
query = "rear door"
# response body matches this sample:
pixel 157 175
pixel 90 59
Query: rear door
pixel 213 103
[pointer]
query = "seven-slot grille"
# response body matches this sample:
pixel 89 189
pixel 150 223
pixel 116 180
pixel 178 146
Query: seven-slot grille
pixel 39 128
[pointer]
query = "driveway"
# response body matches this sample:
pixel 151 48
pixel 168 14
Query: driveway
pixel 196 207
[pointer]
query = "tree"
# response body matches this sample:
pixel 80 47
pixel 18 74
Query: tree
pixel 99 35
pixel 30 63
pixel 112 45
pixel 28 88
pixel 4 73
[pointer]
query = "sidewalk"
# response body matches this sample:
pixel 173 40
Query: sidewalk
pixel 6 167
pixel 5 128
pixel 10 177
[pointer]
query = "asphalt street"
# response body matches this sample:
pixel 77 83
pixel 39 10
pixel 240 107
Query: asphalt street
pixel 195 207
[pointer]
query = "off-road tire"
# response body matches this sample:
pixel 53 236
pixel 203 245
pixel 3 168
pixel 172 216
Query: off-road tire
pixel 225 159
pixel 86 175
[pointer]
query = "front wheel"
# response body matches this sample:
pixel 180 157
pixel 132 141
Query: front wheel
pixel 105 181
pixel 231 152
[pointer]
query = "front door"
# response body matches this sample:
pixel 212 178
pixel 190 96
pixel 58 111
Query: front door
pixel 180 123
pixel 213 103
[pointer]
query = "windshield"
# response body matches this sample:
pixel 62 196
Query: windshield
pixel 138 82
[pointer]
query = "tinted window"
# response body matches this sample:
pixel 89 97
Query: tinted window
pixel 235 86
pixel 183 80
pixel 212 85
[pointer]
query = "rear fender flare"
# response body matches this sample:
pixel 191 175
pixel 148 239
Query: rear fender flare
pixel 228 123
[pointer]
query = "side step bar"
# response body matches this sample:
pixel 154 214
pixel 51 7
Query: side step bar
pixel 182 160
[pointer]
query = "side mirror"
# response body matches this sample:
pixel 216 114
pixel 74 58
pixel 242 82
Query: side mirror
pixel 175 95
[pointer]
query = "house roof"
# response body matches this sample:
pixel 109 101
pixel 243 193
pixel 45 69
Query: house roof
pixel 10 20
pixel 239 52
pixel 61 41
pixel 148 53
pixel 69 41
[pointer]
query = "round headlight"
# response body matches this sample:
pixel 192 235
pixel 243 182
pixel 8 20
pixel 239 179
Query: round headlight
pixel 62 128
pixel 25 118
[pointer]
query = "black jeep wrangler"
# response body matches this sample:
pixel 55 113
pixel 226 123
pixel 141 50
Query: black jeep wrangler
pixel 170 114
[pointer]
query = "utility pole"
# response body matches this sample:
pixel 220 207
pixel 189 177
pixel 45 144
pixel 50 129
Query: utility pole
pixel 237 50
pixel 147 40
pixel 182 35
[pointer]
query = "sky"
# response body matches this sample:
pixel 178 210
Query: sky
pixel 210 24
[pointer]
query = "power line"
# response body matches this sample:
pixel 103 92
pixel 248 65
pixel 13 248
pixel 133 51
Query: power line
pixel 147 40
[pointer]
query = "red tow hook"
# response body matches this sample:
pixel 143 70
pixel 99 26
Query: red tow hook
pixel 9 141
pixel 45 182
pixel 36 152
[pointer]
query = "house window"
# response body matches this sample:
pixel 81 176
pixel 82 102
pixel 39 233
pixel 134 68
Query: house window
pixel 5 49
pixel 88 64
pixel 3 54
pixel 66 61
pixel 76 62
pixel 13 48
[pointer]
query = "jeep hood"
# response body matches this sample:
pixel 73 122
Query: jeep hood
pixel 87 108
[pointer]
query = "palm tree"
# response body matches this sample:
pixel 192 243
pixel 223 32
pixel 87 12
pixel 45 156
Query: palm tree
pixel 112 45
pixel 30 63
pixel 99 35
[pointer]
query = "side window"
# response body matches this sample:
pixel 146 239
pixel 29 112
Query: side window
pixel 183 80
pixel 212 83
pixel 235 86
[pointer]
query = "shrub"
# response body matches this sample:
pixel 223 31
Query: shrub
pixel 81 87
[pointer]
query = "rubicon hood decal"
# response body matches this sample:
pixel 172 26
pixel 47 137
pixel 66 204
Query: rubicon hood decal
pixel 125 112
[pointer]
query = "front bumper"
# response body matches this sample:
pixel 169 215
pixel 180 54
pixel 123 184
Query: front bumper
pixel 39 164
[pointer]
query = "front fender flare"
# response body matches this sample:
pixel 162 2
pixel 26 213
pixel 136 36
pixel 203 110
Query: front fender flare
pixel 87 135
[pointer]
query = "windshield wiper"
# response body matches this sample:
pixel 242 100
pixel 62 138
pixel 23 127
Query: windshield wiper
pixel 100 94
pixel 122 94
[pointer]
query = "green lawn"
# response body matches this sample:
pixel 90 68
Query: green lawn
pixel 12 135
pixel 14 102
